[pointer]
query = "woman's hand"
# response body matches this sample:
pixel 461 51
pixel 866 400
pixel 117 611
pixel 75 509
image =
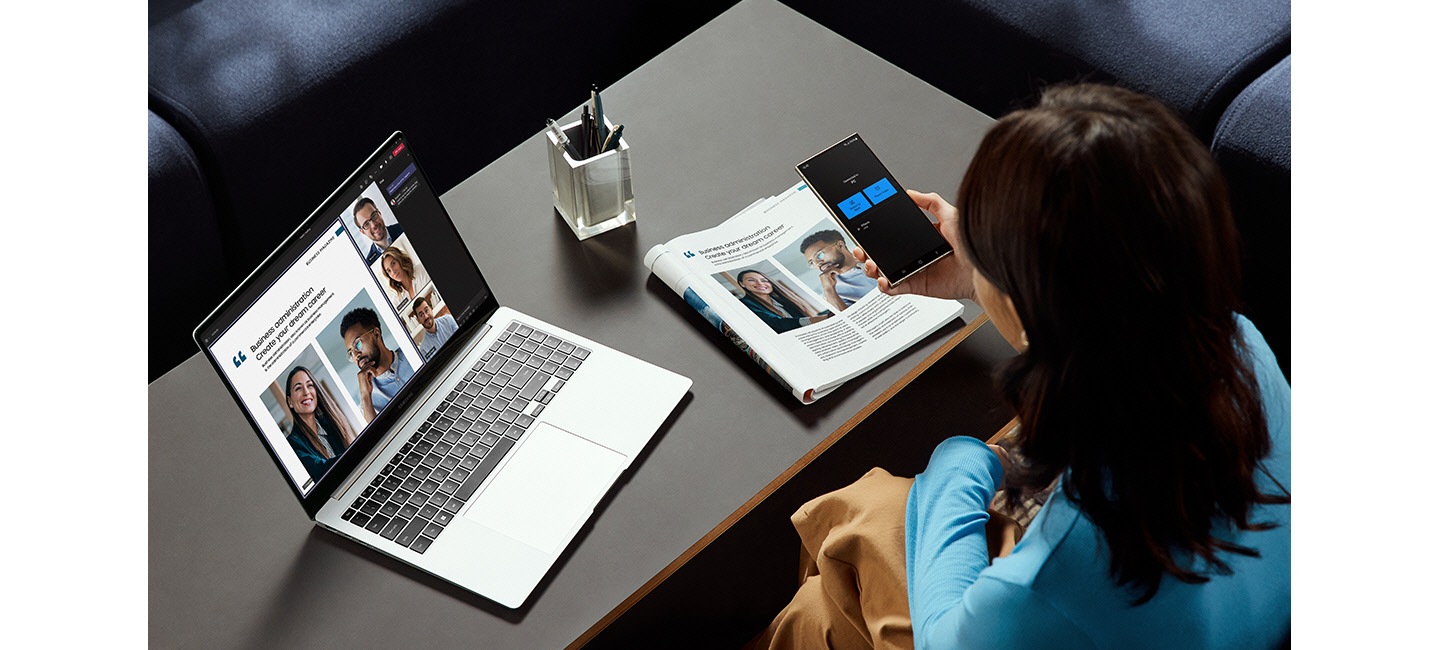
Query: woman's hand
pixel 950 278
pixel 1004 457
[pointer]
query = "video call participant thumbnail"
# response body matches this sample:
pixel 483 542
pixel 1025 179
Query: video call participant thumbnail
pixel 437 330
pixel 842 276
pixel 319 431
pixel 402 273
pixel 382 371
pixel 371 222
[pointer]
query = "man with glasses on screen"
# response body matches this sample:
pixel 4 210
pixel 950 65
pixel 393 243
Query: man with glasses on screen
pixel 382 370
pixel 372 223
pixel 842 277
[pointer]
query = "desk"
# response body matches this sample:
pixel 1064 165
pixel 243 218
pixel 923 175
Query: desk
pixel 714 122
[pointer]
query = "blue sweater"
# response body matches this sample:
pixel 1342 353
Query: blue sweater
pixel 1055 589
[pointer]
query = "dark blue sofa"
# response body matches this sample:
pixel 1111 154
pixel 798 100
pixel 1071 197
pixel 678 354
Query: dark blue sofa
pixel 257 105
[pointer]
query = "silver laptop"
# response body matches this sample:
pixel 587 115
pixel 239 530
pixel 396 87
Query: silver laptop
pixel 412 413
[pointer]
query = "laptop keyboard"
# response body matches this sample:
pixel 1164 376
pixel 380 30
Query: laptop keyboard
pixel 425 484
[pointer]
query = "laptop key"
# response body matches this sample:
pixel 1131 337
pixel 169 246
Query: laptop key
pixel 407 511
pixel 494 364
pixel 445 516
pixel 492 459
pixel 581 352
pixel 420 473
pixel 432 530
pixel 420 544
pixel 428 512
pixel 349 514
pixel 377 524
pixel 524 330
pixel 531 389
pixel 454 505
pixel 393 528
pixel 521 376
pixel 412 530
pixel 361 520
pixel 389 509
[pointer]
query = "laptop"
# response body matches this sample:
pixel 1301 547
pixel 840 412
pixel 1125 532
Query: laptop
pixel 407 409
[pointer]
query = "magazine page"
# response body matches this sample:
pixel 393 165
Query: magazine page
pixel 782 275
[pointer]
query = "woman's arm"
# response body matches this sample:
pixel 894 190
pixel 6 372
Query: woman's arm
pixel 945 519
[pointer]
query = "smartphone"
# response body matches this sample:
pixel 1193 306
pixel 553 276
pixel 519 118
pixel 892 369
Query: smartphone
pixel 867 201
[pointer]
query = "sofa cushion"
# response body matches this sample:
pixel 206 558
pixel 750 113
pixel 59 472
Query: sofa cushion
pixel 188 274
pixel 1252 145
pixel 997 54
pixel 282 98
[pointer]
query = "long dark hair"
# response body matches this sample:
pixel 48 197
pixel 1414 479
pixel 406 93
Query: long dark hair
pixel 327 414
pixel 778 293
pixel 1108 225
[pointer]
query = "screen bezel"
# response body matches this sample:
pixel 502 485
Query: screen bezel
pixel 259 280
pixel 895 274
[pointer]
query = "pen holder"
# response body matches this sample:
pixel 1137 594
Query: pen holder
pixel 592 195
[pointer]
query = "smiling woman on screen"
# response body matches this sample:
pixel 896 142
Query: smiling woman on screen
pixel 319 430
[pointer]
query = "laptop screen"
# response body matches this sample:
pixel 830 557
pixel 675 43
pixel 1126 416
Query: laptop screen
pixel 321 340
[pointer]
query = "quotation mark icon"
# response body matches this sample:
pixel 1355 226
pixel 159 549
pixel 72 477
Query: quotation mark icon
pixel 238 359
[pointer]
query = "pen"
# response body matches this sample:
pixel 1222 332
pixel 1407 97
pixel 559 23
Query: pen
pixel 563 139
pixel 587 127
pixel 613 138
pixel 599 114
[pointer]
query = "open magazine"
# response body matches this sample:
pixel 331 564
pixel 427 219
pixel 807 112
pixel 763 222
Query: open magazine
pixel 780 281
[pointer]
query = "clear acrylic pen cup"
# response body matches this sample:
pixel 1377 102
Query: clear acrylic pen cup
pixel 592 195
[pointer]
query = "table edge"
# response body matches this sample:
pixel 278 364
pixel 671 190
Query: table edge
pixel 784 477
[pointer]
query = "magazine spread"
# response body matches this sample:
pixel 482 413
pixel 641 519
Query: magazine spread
pixel 779 280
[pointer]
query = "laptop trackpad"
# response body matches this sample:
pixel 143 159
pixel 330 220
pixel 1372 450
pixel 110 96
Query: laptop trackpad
pixel 550 484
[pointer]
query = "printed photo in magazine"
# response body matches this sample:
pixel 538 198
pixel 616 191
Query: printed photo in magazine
pixel 781 280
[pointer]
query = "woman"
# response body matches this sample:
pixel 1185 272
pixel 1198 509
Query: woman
pixel 1095 231
pixel 319 430
pixel 402 272
pixel 775 304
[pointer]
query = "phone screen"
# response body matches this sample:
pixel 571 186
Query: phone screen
pixel 873 207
